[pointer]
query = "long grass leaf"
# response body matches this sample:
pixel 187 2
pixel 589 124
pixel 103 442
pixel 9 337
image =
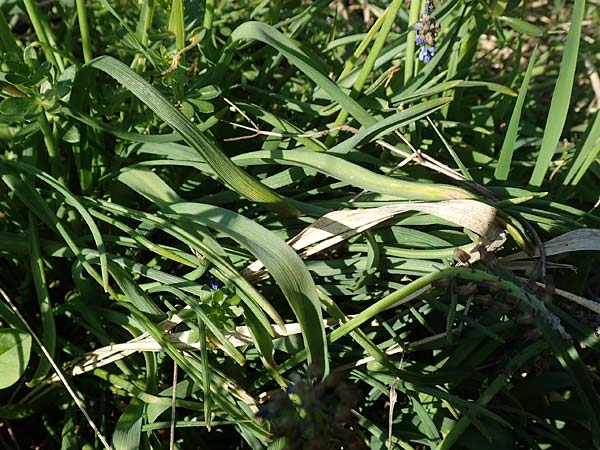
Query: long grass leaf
pixel 229 173
pixel 510 138
pixel 561 98
pixel 270 36
pixel 283 264
pixel 587 154
pixel 47 317
pixel 75 203
pixel 356 175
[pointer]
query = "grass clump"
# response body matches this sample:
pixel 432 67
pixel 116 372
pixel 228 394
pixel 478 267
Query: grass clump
pixel 344 225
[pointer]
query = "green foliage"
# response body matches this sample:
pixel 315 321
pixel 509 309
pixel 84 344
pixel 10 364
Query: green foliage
pixel 15 348
pixel 299 225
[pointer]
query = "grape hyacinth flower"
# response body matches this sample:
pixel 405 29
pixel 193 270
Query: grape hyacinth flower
pixel 427 30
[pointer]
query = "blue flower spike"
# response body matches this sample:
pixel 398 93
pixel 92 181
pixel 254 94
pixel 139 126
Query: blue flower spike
pixel 427 30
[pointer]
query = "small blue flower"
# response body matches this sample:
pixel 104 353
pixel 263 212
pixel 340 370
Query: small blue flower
pixel 426 32
pixel 426 53
pixel 214 283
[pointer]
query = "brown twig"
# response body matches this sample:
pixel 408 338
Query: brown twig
pixel 177 56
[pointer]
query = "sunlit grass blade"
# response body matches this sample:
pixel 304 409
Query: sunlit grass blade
pixel 86 42
pixel 390 13
pixel 356 175
pixel 409 62
pixel 510 138
pixel 561 98
pixel 128 430
pixel 270 36
pixel 282 262
pixel 394 121
pixel 587 154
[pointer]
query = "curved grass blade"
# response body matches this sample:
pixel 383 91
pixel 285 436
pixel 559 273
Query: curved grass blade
pixel 390 124
pixel 390 14
pixel 128 430
pixel 561 97
pixel 251 297
pixel 356 175
pixel 284 45
pixel 283 263
pixel 37 205
pixel 229 173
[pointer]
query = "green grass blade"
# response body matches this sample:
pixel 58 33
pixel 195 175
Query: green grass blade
pixel 6 37
pixel 390 123
pixel 496 386
pixel 206 369
pixel 75 203
pixel 510 139
pixel 228 172
pixel 587 155
pixel 33 200
pixel 284 265
pixel 409 61
pixel 561 98
pixel 47 317
pixel 176 23
pixel 270 36
pixel 251 297
pixel 390 17
pixel 362 46
pixel 356 175
pixel 84 30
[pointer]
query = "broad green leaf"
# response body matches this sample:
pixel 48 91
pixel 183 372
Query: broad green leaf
pixel 128 430
pixel 15 348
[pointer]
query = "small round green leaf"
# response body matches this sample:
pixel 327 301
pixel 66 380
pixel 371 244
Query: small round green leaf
pixel 15 348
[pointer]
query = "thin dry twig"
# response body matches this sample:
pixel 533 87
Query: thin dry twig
pixel 420 158
pixel 594 79
pixel 177 56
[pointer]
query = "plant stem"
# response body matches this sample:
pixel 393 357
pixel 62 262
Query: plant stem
pixel 390 17
pixel 84 30
pixel 44 34
pixel 409 63
pixel 51 147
